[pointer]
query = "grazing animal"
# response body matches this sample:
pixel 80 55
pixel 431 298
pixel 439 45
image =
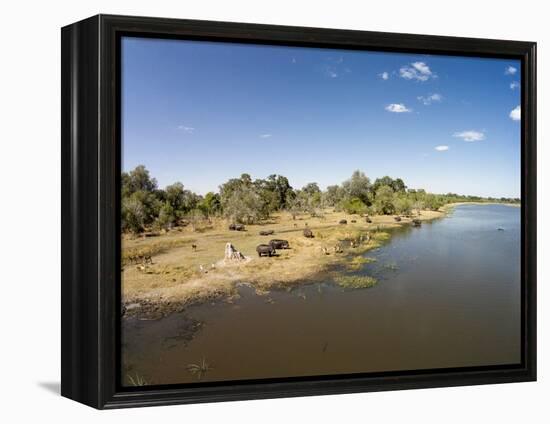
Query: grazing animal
pixel 194 247
pixel 236 227
pixel 343 221
pixel 279 244
pixel 212 266
pixel 369 221
pixel 306 224
pixel 354 244
pixel 353 221
pixel 265 249
pixel 397 218
pixel 295 225
pixel 325 251
pixel 308 233
pixel 266 232
pixel 338 248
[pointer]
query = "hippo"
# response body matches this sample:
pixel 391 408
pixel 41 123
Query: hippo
pixel 416 223
pixel 308 233
pixel 236 227
pixel 279 244
pixel 397 218
pixel 353 221
pixel 265 249
pixel 266 232
pixel 343 221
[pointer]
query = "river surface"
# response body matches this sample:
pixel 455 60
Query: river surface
pixel 448 295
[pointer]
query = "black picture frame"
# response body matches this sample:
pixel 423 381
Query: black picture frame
pixel 91 153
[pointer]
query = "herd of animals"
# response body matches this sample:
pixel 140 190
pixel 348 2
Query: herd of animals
pixel 270 249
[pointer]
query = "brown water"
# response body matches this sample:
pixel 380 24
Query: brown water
pixel 448 296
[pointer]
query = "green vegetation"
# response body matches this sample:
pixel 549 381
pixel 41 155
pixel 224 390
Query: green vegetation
pixel 246 201
pixel 357 262
pixel 355 281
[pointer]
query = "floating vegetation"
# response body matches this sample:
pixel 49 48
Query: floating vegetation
pixel 392 266
pixel 357 262
pixel 200 369
pixel 355 281
pixel 137 380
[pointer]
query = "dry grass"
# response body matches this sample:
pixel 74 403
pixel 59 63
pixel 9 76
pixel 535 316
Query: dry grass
pixel 175 276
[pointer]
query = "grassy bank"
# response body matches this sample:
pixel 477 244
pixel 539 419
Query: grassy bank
pixel 180 275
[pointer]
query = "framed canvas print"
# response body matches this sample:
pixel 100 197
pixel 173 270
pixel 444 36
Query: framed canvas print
pixel 255 211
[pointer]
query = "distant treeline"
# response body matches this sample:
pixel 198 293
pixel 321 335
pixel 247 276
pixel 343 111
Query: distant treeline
pixel 247 201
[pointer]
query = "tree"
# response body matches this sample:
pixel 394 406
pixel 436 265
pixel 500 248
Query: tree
pixel 358 186
pixel 384 200
pixel 402 204
pixel 397 185
pixel 243 205
pixel 354 206
pixel 211 204
pixel 137 180
pixel 333 195
pixel 166 217
pixel 133 215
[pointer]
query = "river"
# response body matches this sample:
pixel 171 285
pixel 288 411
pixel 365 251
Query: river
pixel 448 295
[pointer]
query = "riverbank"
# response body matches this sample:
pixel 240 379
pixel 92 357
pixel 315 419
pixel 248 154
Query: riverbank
pixel 450 206
pixel 181 275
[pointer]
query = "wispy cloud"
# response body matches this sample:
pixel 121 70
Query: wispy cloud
pixel 384 75
pixel 514 85
pixel 265 135
pixel 432 98
pixel 470 135
pixel 515 114
pixel 397 108
pixel 335 67
pixel 186 128
pixel 416 71
pixel 510 70
pixel 441 148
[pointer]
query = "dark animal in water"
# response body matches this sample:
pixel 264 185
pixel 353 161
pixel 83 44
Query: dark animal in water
pixel 416 223
pixel 266 232
pixel 369 221
pixel 265 249
pixel 342 221
pixel 236 227
pixel 194 247
pixel 353 221
pixel 397 218
pixel 500 229
pixel 308 233
pixel 279 244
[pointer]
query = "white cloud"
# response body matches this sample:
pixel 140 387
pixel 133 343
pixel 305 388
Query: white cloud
pixel 510 70
pixel 514 85
pixel 384 75
pixel 432 98
pixel 186 129
pixel 416 71
pixel 265 135
pixel 397 108
pixel 441 148
pixel 470 135
pixel 515 114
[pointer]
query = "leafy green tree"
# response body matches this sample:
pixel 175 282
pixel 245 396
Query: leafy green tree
pixel 133 215
pixel 354 206
pixel 384 200
pixel 358 186
pixel 211 204
pixel 333 195
pixel 166 217
pixel 401 204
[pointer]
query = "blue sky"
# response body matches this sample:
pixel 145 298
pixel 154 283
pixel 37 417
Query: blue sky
pixel 203 112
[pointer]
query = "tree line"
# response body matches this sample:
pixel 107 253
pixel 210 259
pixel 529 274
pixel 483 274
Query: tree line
pixel 246 201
